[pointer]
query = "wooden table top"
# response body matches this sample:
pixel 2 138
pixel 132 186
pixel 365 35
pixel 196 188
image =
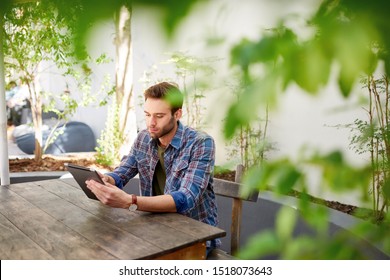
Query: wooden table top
pixel 53 219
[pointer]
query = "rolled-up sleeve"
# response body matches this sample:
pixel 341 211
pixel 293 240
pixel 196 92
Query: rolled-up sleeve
pixel 180 201
pixel 197 176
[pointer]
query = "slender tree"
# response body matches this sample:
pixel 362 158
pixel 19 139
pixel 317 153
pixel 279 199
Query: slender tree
pixel 38 38
pixel 124 77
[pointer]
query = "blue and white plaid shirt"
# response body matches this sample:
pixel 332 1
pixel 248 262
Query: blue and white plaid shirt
pixel 189 163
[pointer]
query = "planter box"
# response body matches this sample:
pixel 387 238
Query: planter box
pixel 23 177
pixel 260 216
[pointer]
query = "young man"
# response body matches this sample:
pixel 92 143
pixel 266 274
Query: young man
pixel 175 164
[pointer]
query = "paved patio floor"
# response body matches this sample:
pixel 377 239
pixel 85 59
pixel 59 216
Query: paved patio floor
pixel 13 150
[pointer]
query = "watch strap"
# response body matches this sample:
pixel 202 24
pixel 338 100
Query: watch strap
pixel 133 199
pixel 133 206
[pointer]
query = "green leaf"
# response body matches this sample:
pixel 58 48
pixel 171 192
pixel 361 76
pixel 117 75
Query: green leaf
pixel 261 244
pixel 256 95
pixel 232 122
pixel 286 176
pixel 334 158
pixel 346 81
pixel 175 98
pixel 285 223
pixel 317 217
pixel 302 247
pixel 241 54
pixel 256 178
pixel 310 67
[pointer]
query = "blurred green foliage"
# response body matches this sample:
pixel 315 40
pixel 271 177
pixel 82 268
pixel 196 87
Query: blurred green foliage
pixel 110 139
pixel 349 34
pixel 93 11
pixel 349 37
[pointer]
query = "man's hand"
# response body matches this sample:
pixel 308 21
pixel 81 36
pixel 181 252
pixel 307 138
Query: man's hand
pixel 106 178
pixel 109 194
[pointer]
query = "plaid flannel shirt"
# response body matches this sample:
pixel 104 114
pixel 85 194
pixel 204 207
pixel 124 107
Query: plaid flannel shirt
pixel 189 163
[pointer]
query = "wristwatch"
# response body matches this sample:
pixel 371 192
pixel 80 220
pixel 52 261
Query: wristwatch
pixel 133 206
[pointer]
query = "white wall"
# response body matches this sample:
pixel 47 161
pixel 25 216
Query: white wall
pixel 229 20
pixel 100 41
pixel 300 119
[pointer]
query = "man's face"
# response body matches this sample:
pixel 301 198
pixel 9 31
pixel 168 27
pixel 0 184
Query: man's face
pixel 159 119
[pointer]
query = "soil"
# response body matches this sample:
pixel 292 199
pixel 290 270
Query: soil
pixel 54 163
pixel 346 208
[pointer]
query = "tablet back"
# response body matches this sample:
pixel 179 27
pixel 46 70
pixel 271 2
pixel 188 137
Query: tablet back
pixel 82 174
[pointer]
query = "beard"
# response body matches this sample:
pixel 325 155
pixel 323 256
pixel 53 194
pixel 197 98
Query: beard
pixel 164 130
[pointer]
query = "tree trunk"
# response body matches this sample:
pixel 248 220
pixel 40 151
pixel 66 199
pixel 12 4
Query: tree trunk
pixel 37 119
pixel 36 112
pixel 124 79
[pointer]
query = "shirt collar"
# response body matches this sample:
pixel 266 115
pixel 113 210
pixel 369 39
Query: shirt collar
pixel 176 140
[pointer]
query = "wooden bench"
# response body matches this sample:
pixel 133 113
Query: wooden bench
pixel 232 190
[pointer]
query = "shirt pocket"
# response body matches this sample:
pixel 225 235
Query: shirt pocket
pixel 144 166
pixel 180 168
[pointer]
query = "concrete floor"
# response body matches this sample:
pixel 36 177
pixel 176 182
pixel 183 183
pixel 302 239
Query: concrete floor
pixel 13 149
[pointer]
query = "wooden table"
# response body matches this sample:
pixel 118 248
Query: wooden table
pixel 53 219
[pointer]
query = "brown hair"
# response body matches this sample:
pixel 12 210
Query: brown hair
pixel 167 91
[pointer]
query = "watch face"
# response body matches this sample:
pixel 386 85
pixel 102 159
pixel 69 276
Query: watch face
pixel 133 207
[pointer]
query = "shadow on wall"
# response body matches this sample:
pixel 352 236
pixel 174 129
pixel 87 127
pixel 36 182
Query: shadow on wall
pixel 261 215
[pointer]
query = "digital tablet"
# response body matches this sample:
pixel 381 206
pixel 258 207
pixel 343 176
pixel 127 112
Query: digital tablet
pixel 82 174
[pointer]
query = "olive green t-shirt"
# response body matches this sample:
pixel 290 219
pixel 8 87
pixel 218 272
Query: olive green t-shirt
pixel 159 175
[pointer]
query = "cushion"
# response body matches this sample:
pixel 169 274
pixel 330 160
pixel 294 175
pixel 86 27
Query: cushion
pixel 74 137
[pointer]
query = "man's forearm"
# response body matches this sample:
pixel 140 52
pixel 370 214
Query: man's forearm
pixel 160 203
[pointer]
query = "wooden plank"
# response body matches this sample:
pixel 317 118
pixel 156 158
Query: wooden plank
pixel 114 240
pixel 166 233
pixel 200 232
pixel 160 235
pixel 226 188
pixel 70 181
pixel 196 251
pixel 59 220
pixel 15 245
pixel 232 189
pixel 235 227
pixel 197 229
pixel 193 227
pixel 58 240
